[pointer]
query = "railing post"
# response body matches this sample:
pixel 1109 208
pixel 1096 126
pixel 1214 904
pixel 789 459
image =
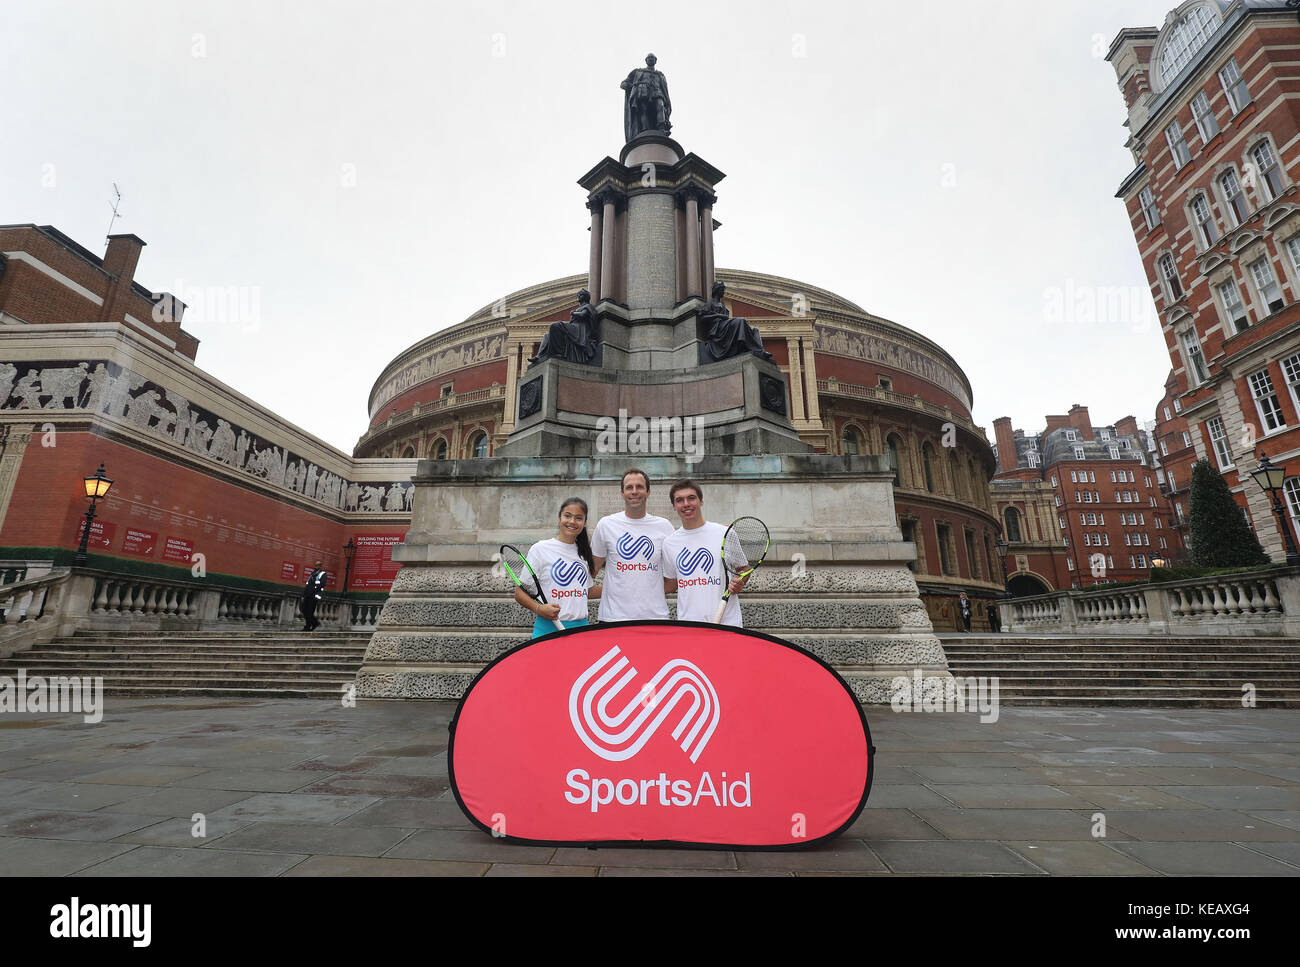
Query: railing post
pixel 1288 593
pixel 1157 609
pixel 1069 615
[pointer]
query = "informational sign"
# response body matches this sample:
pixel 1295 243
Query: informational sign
pixel 289 571
pixel 139 542
pixel 101 533
pixel 178 549
pixel 661 732
pixel 372 563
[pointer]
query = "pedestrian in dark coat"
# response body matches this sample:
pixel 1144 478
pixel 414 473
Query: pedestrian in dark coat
pixel 312 593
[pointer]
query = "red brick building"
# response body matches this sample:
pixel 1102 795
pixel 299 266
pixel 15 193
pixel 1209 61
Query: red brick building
pixel 1214 127
pixel 1080 504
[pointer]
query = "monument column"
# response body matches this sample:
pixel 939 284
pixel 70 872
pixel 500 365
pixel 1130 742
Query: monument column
pixel 691 197
pixel 513 348
pixel 706 226
pixel 608 247
pixel 810 377
pixel 593 264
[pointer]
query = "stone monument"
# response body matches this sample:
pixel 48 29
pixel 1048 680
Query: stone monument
pixel 645 343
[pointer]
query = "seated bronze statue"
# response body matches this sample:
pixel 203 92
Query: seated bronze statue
pixel 575 341
pixel 726 336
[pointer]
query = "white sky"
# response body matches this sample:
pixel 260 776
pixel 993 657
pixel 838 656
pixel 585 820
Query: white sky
pixel 946 164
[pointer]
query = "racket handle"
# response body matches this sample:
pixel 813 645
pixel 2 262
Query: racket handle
pixel 717 618
pixel 559 625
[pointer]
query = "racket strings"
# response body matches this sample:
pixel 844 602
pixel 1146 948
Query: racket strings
pixel 745 544
pixel 517 565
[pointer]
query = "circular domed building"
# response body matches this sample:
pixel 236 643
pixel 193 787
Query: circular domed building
pixel 857 384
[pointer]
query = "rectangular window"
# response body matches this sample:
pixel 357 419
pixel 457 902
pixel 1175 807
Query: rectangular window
pixel 1105 434
pixel 1187 439
pixel 1058 500
pixel 1177 144
pixel 1149 210
pixel 1163 545
pixel 1270 412
pixel 1172 484
pixel 1087 539
pixel 1178 406
pixel 1069 564
pixel 1101 519
pixel 944 533
pixel 1092 476
pixel 1146 480
pixel 971 559
pixel 1142 560
pixel 1179 509
pixel 1114 453
pixel 1159 525
pixel 1078 453
pixel 1164 449
pixel 1173 285
pixel 1070 436
pixel 1153 501
pixel 1219 442
pixel 1074 476
pixel 1128 541
pixel 1291 372
pixel 1234 198
pixel 1130 477
pixel 1206 125
pixel 1195 358
pixel 1270 293
pixel 1077 498
pixel 1126 498
pixel 1062 520
pixel 1131 562
pixel 1106 538
pixel 1092 519
pixel 1032 458
pixel 1110 561
pixel 1054 483
pixel 1270 175
pixel 1096 497
pixel 1233 307
pixel 1234 85
pixel 1168 415
pixel 1112 474
pixel 1204 221
pixel 1146 542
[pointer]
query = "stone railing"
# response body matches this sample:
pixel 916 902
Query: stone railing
pixel 58 604
pixel 1247 604
pixel 449 402
pixel 836 388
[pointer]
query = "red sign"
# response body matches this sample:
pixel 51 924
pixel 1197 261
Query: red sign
pixel 660 732
pixel 138 542
pixel 372 563
pixel 177 549
pixel 101 533
pixel 288 571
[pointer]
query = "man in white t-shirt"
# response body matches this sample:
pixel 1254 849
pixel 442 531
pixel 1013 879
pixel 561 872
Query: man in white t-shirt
pixel 628 546
pixel 692 561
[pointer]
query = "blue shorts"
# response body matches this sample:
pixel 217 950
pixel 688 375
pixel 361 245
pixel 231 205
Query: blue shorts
pixel 545 626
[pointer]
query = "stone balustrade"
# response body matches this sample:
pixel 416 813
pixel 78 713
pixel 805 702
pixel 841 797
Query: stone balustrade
pixel 1263 603
pixel 67 600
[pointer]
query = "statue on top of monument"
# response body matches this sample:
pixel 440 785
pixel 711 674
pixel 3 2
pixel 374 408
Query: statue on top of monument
pixel 646 106
pixel 726 336
pixel 575 341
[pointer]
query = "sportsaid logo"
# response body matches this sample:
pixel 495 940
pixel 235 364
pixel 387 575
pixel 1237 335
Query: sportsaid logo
pixel 630 547
pixel 691 560
pixel 618 736
pixel 566 573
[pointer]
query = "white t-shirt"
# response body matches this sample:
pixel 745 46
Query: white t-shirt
pixel 694 558
pixel 633 588
pixel 564 576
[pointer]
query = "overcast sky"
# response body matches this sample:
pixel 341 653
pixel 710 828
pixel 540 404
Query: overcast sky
pixel 371 173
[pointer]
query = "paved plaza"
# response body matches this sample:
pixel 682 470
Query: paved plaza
pixel 311 788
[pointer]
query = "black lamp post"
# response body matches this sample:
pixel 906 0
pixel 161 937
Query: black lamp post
pixel 1001 545
pixel 1269 476
pixel 348 550
pixel 96 487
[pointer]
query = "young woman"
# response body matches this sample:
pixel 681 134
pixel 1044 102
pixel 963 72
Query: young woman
pixel 564 566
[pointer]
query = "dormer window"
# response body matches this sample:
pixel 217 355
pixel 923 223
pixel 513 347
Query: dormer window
pixel 1187 37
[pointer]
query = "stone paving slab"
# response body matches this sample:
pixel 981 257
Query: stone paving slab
pixel 309 788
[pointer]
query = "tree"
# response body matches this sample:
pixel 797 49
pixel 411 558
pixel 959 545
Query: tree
pixel 1220 535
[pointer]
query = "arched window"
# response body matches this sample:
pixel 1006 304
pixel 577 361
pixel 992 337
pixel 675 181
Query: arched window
pixel 408 453
pixel 954 472
pixel 478 446
pixel 1291 487
pixel 929 470
pixel 892 445
pixel 1012 517
pixel 440 450
pixel 851 440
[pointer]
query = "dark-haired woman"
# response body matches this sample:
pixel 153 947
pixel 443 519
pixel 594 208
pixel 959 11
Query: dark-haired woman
pixel 564 566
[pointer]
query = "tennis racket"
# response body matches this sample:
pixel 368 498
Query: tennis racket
pixel 743 548
pixel 522 572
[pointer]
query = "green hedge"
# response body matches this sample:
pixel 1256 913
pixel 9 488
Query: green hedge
pixel 63 557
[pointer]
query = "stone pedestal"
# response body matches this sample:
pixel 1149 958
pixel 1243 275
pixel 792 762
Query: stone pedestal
pixel 835 581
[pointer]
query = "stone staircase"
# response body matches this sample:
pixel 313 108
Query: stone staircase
pixel 268 664
pixel 1116 672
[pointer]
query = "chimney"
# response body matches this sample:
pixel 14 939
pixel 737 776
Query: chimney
pixel 1080 421
pixel 1006 441
pixel 1127 426
pixel 120 261
pixel 1056 423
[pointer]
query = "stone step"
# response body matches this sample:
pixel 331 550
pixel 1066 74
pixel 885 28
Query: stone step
pixel 206 691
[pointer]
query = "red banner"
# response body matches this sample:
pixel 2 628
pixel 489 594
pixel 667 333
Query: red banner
pixel 660 732
pixel 372 564
pixel 178 549
pixel 101 533
pixel 138 542
pixel 289 571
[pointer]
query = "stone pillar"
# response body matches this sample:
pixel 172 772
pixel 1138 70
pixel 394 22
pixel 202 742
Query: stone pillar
pixel 706 226
pixel 691 197
pixel 513 350
pixel 796 378
pixel 608 248
pixel 593 264
pixel 810 380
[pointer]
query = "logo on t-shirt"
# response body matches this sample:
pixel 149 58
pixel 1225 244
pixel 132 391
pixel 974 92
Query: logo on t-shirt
pixel 631 546
pixel 690 560
pixel 564 573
